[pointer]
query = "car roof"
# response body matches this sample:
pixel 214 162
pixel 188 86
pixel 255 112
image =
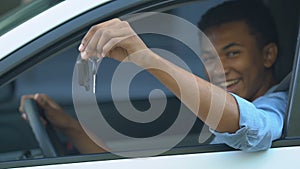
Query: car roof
pixel 38 25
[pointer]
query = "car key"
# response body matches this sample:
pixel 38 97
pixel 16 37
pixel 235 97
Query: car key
pixel 95 65
pixel 83 73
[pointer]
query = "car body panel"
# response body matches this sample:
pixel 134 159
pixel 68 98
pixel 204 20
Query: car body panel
pixel 20 54
pixel 273 158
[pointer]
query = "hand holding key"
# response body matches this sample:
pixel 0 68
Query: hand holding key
pixel 113 38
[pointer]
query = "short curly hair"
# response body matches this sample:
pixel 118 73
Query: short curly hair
pixel 254 12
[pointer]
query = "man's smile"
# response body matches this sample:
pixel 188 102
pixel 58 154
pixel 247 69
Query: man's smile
pixel 230 84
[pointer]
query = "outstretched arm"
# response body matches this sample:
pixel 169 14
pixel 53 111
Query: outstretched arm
pixel 116 39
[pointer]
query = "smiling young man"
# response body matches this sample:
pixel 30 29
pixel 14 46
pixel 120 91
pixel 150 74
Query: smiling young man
pixel 244 36
pixel 247 46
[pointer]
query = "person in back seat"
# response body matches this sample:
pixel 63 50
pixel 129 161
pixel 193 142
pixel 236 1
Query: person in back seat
pixel 244 35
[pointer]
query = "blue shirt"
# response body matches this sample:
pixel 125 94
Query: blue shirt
pixel 261 122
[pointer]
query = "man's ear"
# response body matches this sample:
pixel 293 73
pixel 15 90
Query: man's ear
pixel 270 52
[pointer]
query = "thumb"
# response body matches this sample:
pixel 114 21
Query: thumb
pixel 45 102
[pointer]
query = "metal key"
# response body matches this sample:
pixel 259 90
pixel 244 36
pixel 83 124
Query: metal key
pixel 95 65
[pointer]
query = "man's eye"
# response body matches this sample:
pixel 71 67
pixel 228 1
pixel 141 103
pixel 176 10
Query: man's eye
pixel 233 53
pixel 208 57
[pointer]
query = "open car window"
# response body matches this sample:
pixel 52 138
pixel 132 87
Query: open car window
pixel 52 73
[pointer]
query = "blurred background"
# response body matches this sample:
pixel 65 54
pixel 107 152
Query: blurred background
pixel 7 6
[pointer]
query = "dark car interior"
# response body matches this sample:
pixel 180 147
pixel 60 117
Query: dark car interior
pixel 53 77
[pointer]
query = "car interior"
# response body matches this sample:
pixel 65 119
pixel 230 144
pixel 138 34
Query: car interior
pixel 53 76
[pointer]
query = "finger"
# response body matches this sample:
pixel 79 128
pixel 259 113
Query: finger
pixel 86 39
pixel 42 100
pixel 95 45
pixel 23 98
pixel 110 45
pixel 44 122
pixel 24 116
pixel 46 102
pixel 110 38
pixel 91 47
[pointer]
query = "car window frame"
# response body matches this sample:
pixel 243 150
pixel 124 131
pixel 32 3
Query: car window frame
pixel 291 120
pixel 291 134
pixel 70 33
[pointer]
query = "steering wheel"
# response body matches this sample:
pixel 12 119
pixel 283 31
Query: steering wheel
pixel 45 134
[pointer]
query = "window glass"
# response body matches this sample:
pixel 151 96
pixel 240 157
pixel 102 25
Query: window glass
pixel 26 10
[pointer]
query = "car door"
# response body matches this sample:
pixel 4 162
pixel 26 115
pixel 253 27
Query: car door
pixel 46 64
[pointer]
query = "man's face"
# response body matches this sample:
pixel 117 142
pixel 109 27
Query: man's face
pixel 241 59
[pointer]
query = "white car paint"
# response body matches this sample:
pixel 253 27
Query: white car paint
pixel 274 158
pixel 40 24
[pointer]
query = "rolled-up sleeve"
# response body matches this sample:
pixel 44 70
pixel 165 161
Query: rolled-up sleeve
pixel 261 122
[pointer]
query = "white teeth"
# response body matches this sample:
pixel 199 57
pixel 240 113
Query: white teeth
pixel 228 83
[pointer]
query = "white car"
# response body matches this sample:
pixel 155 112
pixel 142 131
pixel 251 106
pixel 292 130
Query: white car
pixel 38 54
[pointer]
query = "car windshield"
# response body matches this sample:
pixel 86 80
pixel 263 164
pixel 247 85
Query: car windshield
pixel 22 12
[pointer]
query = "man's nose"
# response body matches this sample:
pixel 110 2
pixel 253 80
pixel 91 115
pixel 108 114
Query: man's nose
pixel 222 67
pixel 219 71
